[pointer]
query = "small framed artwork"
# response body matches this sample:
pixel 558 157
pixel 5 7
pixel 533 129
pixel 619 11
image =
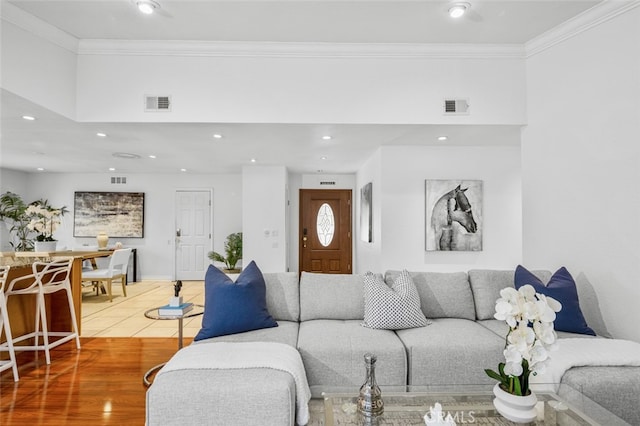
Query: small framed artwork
pixel 366 213
pixel 118 214
pixel 453 215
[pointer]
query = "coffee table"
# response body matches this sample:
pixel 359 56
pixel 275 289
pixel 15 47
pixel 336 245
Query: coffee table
pixel 467 405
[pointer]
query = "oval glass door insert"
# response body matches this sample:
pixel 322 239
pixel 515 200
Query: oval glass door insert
pixel 325 224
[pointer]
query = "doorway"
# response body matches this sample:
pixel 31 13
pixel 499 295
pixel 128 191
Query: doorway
pixel 325 236
pixel 192 233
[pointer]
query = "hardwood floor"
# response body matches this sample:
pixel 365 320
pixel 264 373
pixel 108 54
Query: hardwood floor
pixel 101 384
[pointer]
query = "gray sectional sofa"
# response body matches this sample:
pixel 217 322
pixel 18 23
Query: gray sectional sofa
pixel 321 316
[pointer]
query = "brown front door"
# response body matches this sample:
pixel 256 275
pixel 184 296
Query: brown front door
pixel 325 231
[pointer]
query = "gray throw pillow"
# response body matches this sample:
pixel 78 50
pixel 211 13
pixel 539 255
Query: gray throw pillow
pixel 392 308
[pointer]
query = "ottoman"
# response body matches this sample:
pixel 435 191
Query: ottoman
pixel 230 383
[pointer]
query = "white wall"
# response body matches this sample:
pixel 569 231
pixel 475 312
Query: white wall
pixel 581 164
pixel 156 251
pixel 279 89
pixel 264 213
pixel 402 193
pixel 38 70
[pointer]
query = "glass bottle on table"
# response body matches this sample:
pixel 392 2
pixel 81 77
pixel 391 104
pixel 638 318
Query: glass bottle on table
pixel 370 402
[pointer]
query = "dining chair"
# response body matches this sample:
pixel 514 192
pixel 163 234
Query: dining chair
pixel 4 324
pixel 116 271
pixel 46 278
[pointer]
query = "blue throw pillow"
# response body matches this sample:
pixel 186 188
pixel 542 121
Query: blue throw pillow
pixel 561 287
pixel 234 307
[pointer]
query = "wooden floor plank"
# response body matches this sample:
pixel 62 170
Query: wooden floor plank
pixel 101 384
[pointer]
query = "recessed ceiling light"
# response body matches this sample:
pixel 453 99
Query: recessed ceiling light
pixel 112 169
pixel 253 160
pixel 326 137
pixel 458 9
pixel 40 169
pixel 152 156
pixel 28 117
pixel 147 6
pixel 323 158
pixel 217 136
pixel 183 170
pixel 443 138
pixel 101 135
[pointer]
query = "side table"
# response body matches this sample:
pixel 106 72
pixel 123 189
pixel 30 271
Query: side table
pixel 154 314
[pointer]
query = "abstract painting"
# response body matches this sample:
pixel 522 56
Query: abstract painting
pixel 118 214
pixel 453 215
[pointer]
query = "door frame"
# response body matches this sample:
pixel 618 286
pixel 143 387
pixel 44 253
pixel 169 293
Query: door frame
pixel 175 219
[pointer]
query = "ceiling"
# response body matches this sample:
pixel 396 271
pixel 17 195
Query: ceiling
pixel 62 145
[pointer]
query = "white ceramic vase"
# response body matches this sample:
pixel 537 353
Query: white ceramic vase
pixel 518 409
pixel 103 240
pixel 45 246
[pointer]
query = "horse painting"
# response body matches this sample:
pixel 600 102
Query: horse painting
pixel 451 225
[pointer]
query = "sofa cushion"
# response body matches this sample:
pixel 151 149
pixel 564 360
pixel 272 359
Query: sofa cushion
pixel 234 307
pixel 331 296
pixel 392 308
pixel 562 288
pixel 283 295
pixel 486 285
pixel 333 355
pixel 451 351
pixel 442 294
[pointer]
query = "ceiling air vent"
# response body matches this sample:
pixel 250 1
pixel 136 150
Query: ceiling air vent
pixel 157 103
pixel 115 180
pixel 456 106
pixel 327 182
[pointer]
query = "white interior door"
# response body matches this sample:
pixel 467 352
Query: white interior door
pixel 193 234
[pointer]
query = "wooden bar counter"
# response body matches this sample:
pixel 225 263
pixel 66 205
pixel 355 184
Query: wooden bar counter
pixel 22 309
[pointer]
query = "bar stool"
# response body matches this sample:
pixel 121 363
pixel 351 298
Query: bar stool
pixel 47 278
pixel 4 324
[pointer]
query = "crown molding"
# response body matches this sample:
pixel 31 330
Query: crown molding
pixel 298 50
pixel 600 13
pixel 18 17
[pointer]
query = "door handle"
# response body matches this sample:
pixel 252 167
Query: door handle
pixel 178 232
pixel 304 242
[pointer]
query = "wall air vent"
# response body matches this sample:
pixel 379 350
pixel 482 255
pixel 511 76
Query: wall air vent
pixel 118 180
pixel 327 182
pixel 456 106
pixel 157 103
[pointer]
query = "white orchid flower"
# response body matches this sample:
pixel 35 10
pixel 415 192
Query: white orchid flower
pixel 538 353
pixel 522 337
pixel 513 368
pixel 504 312
pixel 544 332
pixel 528 292
pixel 553 304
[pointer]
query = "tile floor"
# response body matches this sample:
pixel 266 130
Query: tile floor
pixel 124 317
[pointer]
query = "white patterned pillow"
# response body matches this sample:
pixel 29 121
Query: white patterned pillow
pixel 392 308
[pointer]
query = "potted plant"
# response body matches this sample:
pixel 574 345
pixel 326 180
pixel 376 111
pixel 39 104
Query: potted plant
pixel 44 219
pixel 23 219
pixel 530 338
pixel 233 251
pixel 12 213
